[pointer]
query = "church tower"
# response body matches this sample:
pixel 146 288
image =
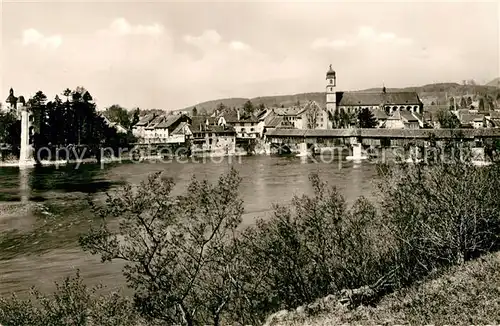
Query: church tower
pixel 331 83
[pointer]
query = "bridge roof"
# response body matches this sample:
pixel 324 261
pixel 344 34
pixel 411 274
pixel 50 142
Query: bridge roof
pixel 387 133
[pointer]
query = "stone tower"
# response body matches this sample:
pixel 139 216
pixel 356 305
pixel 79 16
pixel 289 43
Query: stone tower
pixel 23 113
pixel 331 83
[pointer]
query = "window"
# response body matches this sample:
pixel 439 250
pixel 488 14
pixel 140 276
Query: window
pixel 252 129
pixel 210 141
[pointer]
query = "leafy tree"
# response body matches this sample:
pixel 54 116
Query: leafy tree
pixel 221 107
pixel 469 101
pixel 248 108
pixel 135 117
pixel 180 251
pixel 452 103
pixel 312 116
pixel 116 113
pixel 448 120
pixel 195 111
pixel 463 103
pixel 366 119
pixel 481 104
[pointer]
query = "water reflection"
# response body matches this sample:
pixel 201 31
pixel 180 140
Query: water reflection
pixel 24 187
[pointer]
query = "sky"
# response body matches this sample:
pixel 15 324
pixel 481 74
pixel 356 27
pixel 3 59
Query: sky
pixel 171 55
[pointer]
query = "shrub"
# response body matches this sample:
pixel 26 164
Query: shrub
pixel 316 247
pixel 180 251
pixel 72 304
pixel 441 214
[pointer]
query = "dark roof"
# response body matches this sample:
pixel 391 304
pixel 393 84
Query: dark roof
pixel 418 116
pixel 198 123
pixel 408 116
pixel 401 98
pixel 393 133
pixel 467 118
pixel 168 121
pixel 144 121
pixel 372 98
pixel 215 129
pixel 380 114
pixel 179 130
pixel 494 115
pixel 274 122
pixel 294 110
pixel 155 121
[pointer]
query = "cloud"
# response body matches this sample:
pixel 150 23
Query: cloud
pixel 207 38
pixel 366 35
pixel 327 43
pixel 238 46
pixel 33 37
pixel 120 26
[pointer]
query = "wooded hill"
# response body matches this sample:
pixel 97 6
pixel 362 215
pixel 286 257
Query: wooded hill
pixel 436 93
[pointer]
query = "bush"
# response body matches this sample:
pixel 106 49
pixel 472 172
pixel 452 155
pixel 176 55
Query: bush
pixel 316 247
pixel 440 215
pixel 72 304
pixel 180 251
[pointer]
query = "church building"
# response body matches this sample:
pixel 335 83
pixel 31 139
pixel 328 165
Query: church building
pixel 353 102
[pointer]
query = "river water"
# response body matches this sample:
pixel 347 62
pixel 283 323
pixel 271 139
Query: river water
pixel 43 210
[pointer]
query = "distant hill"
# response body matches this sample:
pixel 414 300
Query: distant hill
pixel 494 83
pixel 431 93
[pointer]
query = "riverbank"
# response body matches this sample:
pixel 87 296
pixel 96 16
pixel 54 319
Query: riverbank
pixel 109 160
pixel 466 294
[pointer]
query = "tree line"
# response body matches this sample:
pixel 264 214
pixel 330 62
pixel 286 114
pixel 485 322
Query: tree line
pixel 63 123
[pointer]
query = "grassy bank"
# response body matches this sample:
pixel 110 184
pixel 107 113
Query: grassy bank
pixel 464 295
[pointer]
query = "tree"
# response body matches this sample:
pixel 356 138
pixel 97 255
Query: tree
pixel 248 108
pixel 463 103
pixel 180 251
pixel 312 116
pixel 221 107
pixel 448 120
pixel 469 101
pixel 366 119
pixel 452 103
pixel 116 113
pixel 135 117
pixel 481 104
pixel 195 111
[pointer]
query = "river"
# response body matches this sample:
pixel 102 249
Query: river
pixel 43 210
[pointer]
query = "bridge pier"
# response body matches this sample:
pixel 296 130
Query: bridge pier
pixel 302 149
pixel 357 153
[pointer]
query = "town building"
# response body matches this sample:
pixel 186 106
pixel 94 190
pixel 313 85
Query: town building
pixel 210 139
pixel 308 116
pixel 139 129
pixel 353 102
pixel 245 126
pixel 160 129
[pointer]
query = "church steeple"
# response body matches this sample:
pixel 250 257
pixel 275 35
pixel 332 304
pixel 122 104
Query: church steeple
pixel 331 83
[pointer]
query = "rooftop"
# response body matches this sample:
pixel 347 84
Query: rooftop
pixel 377 98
